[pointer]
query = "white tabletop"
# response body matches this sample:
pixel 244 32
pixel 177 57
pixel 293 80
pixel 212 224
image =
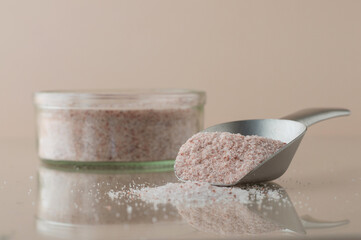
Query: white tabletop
pixel 323 184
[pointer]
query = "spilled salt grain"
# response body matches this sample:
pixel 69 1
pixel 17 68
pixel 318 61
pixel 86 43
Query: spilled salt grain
pixel 221 157
pixel 129 209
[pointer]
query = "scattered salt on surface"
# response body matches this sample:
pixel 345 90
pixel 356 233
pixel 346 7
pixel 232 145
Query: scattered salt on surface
pixel 191 193
pixel 221 157
pixel 199 194
pixel 213 209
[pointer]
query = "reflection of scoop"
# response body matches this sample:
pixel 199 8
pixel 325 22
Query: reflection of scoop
pixel 268 209
pixel 252 209
pixel 309 222
pixel 290 130
pixel 234 219
pixel 73 200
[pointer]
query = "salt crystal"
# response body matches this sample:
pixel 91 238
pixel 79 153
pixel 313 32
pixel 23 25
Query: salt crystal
pixel 274 194
pixel 129 209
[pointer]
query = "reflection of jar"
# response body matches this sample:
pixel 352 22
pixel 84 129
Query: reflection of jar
pixel 71 197
pixel 116 126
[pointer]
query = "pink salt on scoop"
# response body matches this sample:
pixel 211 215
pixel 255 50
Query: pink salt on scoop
pixel 221 157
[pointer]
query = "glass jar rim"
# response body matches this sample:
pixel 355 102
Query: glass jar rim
pixel 116 98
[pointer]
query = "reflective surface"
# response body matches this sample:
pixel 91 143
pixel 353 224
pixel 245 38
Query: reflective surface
pixel 319 196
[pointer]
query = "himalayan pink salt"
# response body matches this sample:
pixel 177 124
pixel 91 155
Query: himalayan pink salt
pixel 200 194
pixel 220 210
pixel 115 135
pixel 221 157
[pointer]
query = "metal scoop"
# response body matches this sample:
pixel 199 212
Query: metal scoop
pixel 290 129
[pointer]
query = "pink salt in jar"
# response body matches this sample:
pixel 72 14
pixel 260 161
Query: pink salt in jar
pixel 125 126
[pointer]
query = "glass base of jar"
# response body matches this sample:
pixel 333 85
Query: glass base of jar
pixel 109 167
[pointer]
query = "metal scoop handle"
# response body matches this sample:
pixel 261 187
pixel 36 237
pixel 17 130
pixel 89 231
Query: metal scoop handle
pixel 310 116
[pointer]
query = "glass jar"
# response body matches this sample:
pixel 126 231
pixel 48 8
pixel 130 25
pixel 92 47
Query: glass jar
pixel 116 126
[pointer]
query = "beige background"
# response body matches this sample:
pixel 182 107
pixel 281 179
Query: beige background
pixel 254 59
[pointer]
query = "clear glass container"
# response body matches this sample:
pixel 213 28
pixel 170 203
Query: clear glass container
pixel 137 127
